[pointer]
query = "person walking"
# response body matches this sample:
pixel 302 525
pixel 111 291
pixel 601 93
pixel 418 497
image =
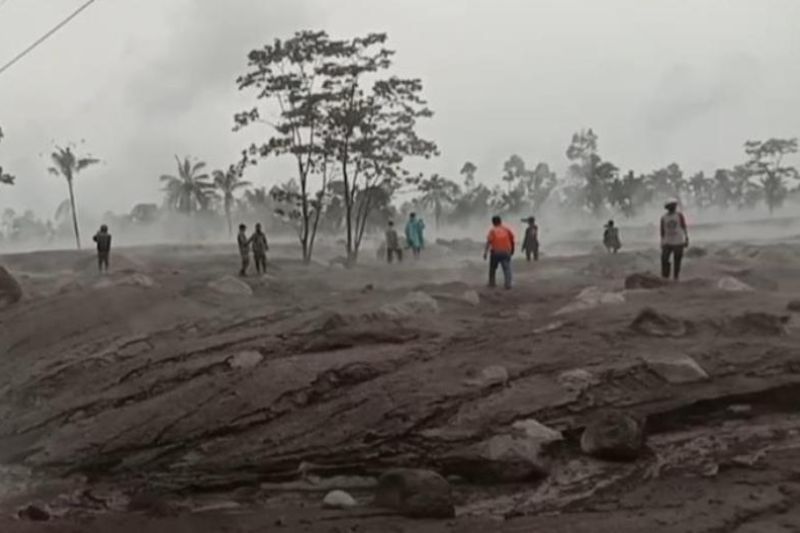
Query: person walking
pixel 674 240
pixel 611 238
pixel 103 240
pixel 530 245
pixel 499 249
pixel 393 244
pixel 260 247
pixel 244 249
pixel 415 234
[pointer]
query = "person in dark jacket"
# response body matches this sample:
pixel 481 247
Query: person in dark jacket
pixel 260 247
pixel 103 240
pixel 244 249
pixel 530 244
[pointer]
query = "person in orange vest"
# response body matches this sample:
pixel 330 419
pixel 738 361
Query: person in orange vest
pixel 499 249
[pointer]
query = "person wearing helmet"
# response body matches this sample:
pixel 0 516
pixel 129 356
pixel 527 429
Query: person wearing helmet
pixel 530 244
pixel 103 240
pixel 674 240
pixel 611 238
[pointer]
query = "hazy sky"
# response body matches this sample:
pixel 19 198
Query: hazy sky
pixel 141 80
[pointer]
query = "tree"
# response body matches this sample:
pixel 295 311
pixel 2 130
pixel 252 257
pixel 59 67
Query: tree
pixel 468 171
pixel 701 190
pixel 227 183
pixel 6 179
pixel 371 130
pixel 292 75
pixel 68 165
pixel 666 182
pixel 437 191
pixel 540 184
pixel 596 174
pixel 188 192
pixel 766 164
pixel 629 193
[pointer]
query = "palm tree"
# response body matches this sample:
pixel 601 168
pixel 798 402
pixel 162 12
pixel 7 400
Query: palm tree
pixel 437 191
pixel 68 165
pixel 188 192
pixel 227 183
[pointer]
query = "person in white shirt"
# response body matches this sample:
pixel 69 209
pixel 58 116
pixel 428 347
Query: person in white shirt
pixel 674 240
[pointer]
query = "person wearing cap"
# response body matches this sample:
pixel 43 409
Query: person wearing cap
pixel 611 238
pixel 103 240
pixel 500 244
pixel 530 244
pixel 674 240
pixel 415 238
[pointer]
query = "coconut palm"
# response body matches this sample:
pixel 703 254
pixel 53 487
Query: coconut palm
pixel 436 192
pixel 227 183
pixel 68 165
pixel 189 191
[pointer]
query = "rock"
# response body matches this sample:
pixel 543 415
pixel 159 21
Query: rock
pixel 742 410
pixel 504 458
pixel 414 304
pixel 614 436
pixel 533 429
pixel 794 306
pixel 549 328
pixel 490 376
pixel 10 289
pixel 248 359
pixel 231 285
pixel 695 252
pixel 132 280
pixel 676 369
pixel 591 297
pixel 645 280
pixel 651 322
pixel 34 513
pixel 577 380
pixel 472 298
pixel 415 493
pixel 729 283
pixel 338 499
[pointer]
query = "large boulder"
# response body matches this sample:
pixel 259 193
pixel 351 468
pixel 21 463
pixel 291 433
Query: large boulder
pixel 614 436
pixel 415 493
pixel 231 286
pixel 645 280
pixel 675 369
pixel 338 499
pixel 414 304
pixel 508 458
pixel 10 289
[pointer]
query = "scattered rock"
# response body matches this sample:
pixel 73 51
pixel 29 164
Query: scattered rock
pixel 248 359
pixel 676 369
pixel 577 380
pixel 415 493
pixel 34 513
pixel 414 304
pixel 231 285
pixel 651 322
pixel 645 280
pixel 502 458
pixel 591 297
pixel 490 376
pixel 10 289
pixel 729 283
pixel 695 252
pixel 472 298
pixel 338 499
pixel 533 429
pixel 614 436
pixel 794 306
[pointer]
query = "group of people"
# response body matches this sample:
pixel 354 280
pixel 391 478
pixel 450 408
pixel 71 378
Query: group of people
pixel 499 249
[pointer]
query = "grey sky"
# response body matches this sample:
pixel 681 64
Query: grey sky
pixel 141 80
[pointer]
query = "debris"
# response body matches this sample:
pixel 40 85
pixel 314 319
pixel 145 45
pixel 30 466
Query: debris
pixel 414 304
pixel 415 493
pixel 231 285
pixel 591 297
pixel 501 459
pixel 10 289
pixel 613 435
pixel 338 499
pixel 651 322
pixel 729 283
pixel 533 429
pixel 577 380
pixel 675 369
pixel 471 297
pixel 645 280
pixel 490 376
pixel 247 359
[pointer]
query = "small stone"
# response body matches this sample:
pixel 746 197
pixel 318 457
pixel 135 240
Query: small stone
pixel 549 328
pixel 731 284
pixel 412 305
pixel 645 280
pixel 577 380
pixel 740 409
pixel 244 360
pixel 676 369
pixel 338 499
pixel 533 429
pixel 613 435
pixel 590 298
pixel 500 459
pixel 472 298
pixel 415 493
pixel 34 513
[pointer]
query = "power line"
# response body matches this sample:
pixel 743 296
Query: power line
pixel 44 37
